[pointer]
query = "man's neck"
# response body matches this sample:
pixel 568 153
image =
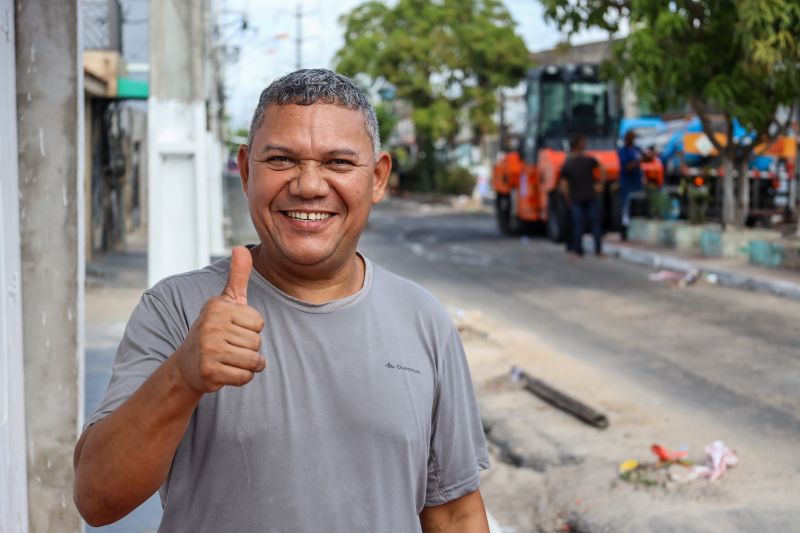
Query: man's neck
pixel 312 285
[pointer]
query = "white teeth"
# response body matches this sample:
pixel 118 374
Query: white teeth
pixel 302 215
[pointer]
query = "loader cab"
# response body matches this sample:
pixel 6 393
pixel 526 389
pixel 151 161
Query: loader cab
pixel 565 100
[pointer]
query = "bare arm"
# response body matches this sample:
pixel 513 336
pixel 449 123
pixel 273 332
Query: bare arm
pixel 123 459
pixel 464 515
pixel 563 187
pixel 601 181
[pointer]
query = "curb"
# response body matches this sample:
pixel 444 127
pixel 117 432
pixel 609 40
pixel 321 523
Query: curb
pixel 724 277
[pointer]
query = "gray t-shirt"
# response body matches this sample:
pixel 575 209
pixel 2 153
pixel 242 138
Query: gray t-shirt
pixel 364 415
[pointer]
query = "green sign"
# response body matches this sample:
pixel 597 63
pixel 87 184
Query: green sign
pixel 129 88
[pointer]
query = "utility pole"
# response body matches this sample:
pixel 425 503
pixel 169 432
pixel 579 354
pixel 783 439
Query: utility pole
pixel 49 85
pixel 215 131
pixel 503 125
pixel 299 39
pixel 178 230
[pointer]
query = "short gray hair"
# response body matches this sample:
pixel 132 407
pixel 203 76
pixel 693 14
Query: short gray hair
pixel 311 86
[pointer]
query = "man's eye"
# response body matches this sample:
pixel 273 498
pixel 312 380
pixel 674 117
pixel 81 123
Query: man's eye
pixel 340 162
pixel 279 160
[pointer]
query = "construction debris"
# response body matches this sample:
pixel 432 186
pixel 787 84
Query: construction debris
pixel 559 399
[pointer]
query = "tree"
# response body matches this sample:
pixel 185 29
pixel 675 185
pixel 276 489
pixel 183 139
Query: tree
pixel 446 58
pixel 739 58
pixel 387 120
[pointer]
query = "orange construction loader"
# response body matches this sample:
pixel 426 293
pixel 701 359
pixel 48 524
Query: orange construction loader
pixel 561 102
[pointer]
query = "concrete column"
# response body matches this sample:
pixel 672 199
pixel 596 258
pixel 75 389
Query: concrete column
pixel 50 133
pixel 178 230
pixel 215 149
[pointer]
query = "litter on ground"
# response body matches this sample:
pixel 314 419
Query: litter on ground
pixel 676 279
pixel 674 466
pixel 718 459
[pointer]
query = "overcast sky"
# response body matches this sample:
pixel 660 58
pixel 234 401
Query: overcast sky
pixel 264 57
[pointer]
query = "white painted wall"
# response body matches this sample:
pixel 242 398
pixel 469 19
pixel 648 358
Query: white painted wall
pixel 178 230
pixel 13 480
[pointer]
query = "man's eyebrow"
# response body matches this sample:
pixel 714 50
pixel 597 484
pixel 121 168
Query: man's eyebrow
pixel 276 148
pixel 342 151
pixel 337 152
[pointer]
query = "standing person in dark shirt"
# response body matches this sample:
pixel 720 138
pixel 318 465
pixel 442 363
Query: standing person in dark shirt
pixel 630 176
pixel 580 190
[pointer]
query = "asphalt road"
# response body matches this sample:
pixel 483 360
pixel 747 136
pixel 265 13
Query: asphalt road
pixel 726 354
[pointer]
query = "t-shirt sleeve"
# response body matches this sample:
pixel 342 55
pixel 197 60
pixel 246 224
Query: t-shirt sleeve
pixel 151 336
pixel 458 448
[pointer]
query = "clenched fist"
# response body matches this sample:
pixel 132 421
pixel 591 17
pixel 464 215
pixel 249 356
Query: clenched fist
pixel 222 345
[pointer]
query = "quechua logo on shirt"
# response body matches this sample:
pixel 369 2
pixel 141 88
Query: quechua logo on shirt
pixel 402 367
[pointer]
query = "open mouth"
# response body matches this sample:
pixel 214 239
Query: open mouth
pixel 308 215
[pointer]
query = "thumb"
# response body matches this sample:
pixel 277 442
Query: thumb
pixel 241 265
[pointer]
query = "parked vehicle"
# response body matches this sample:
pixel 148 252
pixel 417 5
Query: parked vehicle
pixel 772 171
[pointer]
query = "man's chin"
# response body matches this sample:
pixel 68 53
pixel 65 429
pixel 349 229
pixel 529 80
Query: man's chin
pixel 308 258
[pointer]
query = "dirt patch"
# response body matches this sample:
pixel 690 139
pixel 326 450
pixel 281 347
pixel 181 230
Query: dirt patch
pixel 553 472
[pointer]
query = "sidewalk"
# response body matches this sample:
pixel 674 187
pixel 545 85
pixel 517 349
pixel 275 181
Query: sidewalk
pixel 736 273
pixel 114 283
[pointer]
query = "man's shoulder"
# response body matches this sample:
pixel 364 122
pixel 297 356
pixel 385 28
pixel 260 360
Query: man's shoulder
pixel 406 293
pixel 591 159
pixel 198 283
pixel 386 280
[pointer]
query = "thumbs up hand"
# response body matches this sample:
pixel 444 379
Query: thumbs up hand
pixel 241 266
pixel 222 345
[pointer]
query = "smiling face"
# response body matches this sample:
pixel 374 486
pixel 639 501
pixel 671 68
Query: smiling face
pixel 311 178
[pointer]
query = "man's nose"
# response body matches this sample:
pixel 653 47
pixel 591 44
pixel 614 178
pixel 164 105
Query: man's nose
pixel 310 182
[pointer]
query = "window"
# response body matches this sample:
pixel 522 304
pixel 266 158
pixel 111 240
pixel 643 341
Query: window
pixel 588 103
pixel 553 108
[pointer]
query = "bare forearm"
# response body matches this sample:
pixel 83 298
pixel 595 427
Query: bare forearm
pixel 463 515
pixel 124 458
pixel 474 522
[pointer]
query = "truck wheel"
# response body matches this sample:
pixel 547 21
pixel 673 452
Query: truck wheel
pixel 507 221
pixel 556 219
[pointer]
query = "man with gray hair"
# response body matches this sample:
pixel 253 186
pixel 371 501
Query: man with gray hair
pixel 365 420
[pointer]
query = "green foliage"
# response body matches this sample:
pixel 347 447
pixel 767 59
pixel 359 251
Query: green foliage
pixel 575 16
pixel 456 180
pixel 698 204
pixel 737 57
pixel 387 121
pixel 446 58
pixel 441 177
pixel 660 203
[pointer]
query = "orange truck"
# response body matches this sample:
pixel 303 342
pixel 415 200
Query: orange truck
pixel 561 101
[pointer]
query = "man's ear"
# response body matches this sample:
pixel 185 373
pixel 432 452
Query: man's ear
pixel 383 167
pixel 244 168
